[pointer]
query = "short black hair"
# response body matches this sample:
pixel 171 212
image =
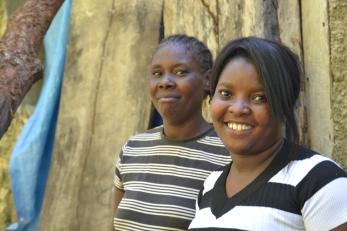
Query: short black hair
pixel 279 71
pixel 198 49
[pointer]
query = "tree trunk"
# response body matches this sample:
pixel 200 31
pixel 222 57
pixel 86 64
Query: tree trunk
pixel 19 64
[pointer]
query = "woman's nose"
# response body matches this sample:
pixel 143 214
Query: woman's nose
pixel 167 81
pixel 239 107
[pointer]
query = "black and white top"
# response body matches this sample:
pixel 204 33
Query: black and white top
pixel 161 179
pixel 306 192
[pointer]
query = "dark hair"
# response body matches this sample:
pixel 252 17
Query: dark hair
pixel 198 49
pixel 279 72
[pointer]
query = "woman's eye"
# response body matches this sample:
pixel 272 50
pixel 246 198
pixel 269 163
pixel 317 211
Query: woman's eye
pixel 259 98
pixel 224 93
pixel 181 73
pixel 156 74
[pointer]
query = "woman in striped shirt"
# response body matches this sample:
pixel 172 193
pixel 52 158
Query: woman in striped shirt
pixel 160 172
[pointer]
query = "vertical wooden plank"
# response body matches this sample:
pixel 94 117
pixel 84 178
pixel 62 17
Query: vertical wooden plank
pixel 231 21
pixel 198 18
pixel 104 101
pixel 316 50
pixel 289 23
pixel 3 17
pixel 75 124
pixel 192 17
pixel 238 18
pixel 338 59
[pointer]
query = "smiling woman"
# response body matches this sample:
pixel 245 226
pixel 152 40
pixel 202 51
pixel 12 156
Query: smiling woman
pixel 177 88
pixel 159 173
pixel 240 110
pixel 272 183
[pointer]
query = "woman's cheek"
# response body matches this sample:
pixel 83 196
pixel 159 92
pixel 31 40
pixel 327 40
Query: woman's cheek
pixel 218 109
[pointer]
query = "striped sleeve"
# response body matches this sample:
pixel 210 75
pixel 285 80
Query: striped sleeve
pixel 321 189
pixel 325 197
pixel 118 182
pixel 327 209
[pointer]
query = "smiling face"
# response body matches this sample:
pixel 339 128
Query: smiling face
pixel 240 112
pixel 176 85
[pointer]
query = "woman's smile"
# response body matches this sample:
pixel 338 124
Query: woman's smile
pixel 168 99
pixel 238 127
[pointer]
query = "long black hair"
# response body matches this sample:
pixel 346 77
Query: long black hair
pixel 279 71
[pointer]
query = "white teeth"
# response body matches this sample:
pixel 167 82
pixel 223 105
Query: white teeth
pixel 239 127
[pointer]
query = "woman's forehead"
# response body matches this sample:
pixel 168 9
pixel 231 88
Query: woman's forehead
pixel 174 48
pixel 172 53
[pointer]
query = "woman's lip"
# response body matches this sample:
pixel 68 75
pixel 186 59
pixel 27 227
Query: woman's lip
pixel 167 99
pixel 239 127
pixel 239 122
pixel 238 132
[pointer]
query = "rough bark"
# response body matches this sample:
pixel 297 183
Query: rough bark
pixel 20 67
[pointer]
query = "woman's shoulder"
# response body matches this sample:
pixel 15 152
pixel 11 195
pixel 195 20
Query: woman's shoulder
pixel 150 134
pixel 308 158
pixel 211 138
pixel 321 190
pixel 310 170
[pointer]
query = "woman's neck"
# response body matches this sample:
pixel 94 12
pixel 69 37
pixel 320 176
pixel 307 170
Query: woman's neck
pixel 246 168
pixel 258 162
pixel 187 130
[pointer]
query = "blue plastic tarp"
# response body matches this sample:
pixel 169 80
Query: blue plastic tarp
pixel 31 157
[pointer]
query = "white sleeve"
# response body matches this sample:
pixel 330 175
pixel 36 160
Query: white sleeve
pixel 327 208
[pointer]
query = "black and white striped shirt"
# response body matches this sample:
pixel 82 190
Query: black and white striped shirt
pixel 161 179
pixel 307 192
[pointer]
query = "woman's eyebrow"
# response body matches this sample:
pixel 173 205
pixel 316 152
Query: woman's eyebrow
pixel 155 66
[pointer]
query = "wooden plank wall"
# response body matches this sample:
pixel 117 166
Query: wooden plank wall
pixel 316 44
pixel 337 12
pixel 104 98
pixel 217 22
pixel 104 101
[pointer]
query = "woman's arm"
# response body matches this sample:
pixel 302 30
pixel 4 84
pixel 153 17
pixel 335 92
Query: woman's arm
pixel 118 195
pixel 342 227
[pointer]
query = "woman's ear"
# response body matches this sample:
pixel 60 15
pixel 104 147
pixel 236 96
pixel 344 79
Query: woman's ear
pixel 207 82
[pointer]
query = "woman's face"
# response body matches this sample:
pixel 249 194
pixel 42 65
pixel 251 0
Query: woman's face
pixel 240 111
pixel 176 85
